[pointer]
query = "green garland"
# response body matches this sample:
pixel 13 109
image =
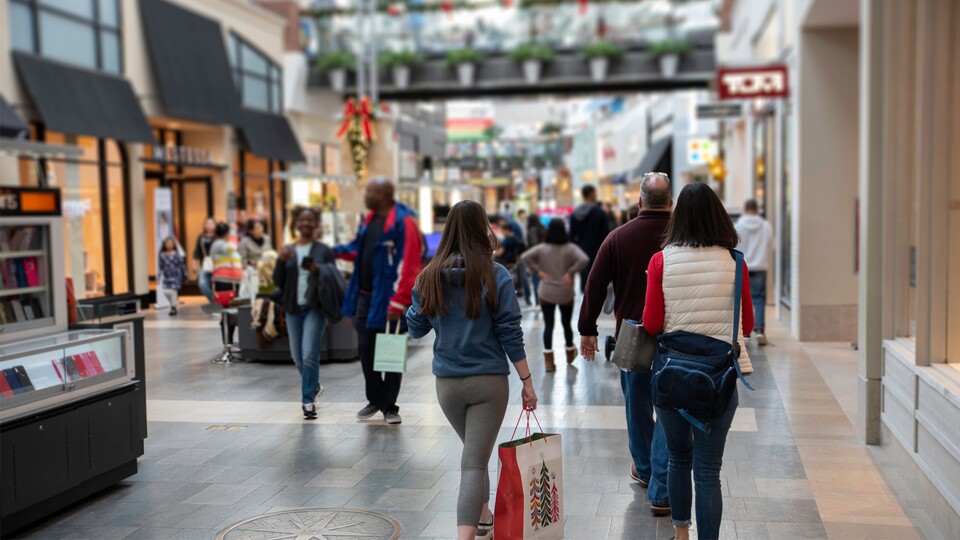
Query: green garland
pixel 454 5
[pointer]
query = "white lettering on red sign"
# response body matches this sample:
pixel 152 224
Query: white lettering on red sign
pixel 753 84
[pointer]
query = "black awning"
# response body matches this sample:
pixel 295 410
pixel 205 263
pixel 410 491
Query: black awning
pixel 11 125
pixel 80 101
pixel 659 158
pixel 270 136
pixel 190 64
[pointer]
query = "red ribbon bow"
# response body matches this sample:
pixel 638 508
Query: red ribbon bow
pixel 363 114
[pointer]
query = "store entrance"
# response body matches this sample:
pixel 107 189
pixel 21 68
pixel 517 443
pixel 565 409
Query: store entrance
pixel 192 203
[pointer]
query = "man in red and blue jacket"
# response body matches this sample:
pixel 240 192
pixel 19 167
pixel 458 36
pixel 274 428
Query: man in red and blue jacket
pixel 387 255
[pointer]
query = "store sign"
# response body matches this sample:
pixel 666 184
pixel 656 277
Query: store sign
pixel 752 82
pixel 700 151
pixel 19 201
pixel 182 154
pixel 707 111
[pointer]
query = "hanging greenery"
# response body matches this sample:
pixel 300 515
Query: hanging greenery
pixel 395 8
pixel 357 127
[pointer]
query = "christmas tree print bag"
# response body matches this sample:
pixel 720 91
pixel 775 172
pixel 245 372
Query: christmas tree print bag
pixel 530 491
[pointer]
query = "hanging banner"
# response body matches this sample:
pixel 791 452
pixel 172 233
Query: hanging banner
pixel 163 229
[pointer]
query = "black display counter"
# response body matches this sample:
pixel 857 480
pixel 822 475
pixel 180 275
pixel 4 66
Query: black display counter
pixel 339 342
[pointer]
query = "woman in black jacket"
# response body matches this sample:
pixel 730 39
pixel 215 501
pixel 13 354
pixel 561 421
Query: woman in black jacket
pixel 296 276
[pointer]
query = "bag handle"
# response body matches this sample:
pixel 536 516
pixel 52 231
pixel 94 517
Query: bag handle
pixel 737 293
pixel 528 431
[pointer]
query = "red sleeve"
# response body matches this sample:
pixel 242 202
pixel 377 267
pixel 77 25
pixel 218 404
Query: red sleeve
pixel 409 266
pixel 746 303
pixel 653 308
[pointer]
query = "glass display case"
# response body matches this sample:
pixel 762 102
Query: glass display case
pixel 39 373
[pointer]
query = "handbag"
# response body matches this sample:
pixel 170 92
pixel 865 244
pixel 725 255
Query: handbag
pixel 391 352
pixel 696 374
pixel 635 348
pixel 530 489
pixel 206 265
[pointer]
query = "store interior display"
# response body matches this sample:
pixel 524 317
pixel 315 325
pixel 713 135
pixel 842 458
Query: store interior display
pixel 24 276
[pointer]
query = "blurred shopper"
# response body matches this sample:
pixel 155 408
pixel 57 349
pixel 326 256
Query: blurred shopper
pixel 255 242
pixel 612 221
pixel 756 243
pixel 387 254
pixel 556 262
pixel 508 252
pixel 631 212
pixel 173 272
pixel 202 262
pixel 470 302
pixel 227 274
pixel 522 223
pixel 690 287
pixel 536 232
pixel 297 275
pixel 589 226
pixel 623 260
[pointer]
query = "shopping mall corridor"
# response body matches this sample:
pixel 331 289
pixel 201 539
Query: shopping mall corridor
pixel 227 442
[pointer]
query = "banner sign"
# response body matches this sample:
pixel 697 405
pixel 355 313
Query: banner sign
pixel 163 229
pixel 752 82
pixel 24 201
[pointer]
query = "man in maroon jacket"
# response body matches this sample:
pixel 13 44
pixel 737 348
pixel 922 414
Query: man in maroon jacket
pixel 623 260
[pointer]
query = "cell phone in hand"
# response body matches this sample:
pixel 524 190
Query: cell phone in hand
pixel 306 262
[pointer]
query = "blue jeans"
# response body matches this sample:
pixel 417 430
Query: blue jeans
pixel 203 282
pixel 306 340
pixel 536 286
pixel 522 271
pixel 692 449
pixel 758 291
pixel 648 448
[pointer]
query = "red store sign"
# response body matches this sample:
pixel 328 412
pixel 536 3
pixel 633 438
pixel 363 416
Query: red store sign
pixel 752 82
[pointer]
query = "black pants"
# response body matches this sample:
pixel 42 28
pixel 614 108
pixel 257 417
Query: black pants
pixel 566 313
pixel 382 388
pixel 584 274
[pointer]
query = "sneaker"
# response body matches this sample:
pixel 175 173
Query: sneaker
pixel 309 411
pixel 367 412
pixel 660 510
pixel 761 338
pixel 392 417
pixel 485 531
pixel 173 311
pixel 636 478
pixel 318 393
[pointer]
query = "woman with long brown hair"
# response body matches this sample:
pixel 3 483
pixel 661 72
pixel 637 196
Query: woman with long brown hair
pixel 471 303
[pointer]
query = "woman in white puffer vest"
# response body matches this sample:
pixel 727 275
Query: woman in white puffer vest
pixel 690 287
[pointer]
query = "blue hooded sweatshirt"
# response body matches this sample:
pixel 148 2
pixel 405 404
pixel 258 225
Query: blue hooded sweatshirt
pixel 480 346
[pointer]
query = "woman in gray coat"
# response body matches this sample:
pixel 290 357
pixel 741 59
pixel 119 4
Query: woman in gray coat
pixel 556 261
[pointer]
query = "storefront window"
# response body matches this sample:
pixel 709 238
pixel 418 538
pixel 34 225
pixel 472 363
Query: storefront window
pixel 261 196
pixel 88 226
pixel 786 211
pixel 81 32
pixel 257 79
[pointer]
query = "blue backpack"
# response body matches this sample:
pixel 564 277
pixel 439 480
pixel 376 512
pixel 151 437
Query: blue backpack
pixel 696 374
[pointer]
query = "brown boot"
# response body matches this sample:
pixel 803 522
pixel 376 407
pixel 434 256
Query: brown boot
pixel 571 354
pixel 548 361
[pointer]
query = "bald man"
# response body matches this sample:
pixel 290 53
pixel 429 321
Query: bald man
pixel 386 255
pixel 622 260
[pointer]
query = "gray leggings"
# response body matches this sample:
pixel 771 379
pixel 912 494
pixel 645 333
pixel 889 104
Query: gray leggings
pixel 475 407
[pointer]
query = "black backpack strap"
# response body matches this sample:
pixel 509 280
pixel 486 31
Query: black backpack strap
pixel 737 293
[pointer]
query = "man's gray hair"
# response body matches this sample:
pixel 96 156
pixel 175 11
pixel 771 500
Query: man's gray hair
pixel 655 196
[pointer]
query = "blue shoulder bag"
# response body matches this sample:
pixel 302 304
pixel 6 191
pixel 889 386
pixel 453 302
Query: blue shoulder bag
pixel 696 374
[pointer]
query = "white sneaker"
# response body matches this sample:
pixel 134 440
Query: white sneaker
pixel 761 339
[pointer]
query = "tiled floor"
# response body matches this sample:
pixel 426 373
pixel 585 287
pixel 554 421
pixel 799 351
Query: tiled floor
pixel 227 443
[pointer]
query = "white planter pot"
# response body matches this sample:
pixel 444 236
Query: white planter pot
pixel 669 64
pixel 338 79
pixel 531 71
pixel 465 73
pixel 401 76
pixel 598 68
